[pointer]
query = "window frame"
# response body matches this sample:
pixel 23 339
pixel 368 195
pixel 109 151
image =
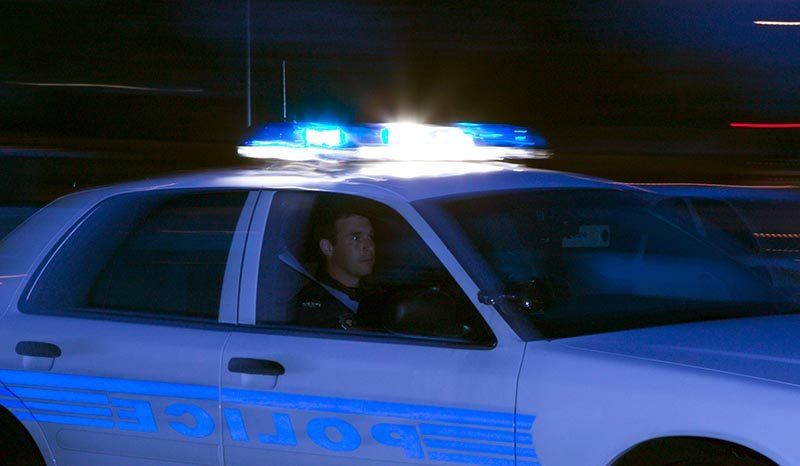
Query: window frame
pixel 252 262
pixel 228 306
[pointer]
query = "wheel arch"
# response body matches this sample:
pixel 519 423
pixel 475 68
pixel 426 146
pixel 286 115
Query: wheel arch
pixel 14 433
pixel 647 451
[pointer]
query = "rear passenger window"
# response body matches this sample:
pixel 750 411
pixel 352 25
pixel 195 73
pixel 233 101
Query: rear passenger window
pixel 145 254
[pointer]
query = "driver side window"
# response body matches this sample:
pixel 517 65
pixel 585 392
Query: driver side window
pixel 338 263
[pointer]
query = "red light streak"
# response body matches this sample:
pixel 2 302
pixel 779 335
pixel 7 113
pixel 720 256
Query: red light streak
pixel 766 125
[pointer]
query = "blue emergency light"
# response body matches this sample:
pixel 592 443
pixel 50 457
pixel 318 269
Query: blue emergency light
pixel 393 141
pixel 298 136
pixel 502 135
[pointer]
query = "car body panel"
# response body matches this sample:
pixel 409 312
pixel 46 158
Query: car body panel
pixel 609 403
pixel 422 387
pixel 128 411
pixel 368 400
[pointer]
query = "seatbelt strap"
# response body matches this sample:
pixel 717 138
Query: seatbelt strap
pixel 287 258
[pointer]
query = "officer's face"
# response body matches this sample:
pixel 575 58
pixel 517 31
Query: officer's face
pixel 354 250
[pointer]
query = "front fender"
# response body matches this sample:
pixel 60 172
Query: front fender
pixel 592 407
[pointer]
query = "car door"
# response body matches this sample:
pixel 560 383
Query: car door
pixel 114 347
pixel 308 396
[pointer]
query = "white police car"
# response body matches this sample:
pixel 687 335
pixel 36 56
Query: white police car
pixel 530 317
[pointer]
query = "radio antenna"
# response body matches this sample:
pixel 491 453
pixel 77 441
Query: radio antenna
pixel 284 89
pixel 248 97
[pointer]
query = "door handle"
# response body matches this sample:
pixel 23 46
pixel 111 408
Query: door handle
pixel 256 366
pixel 38 349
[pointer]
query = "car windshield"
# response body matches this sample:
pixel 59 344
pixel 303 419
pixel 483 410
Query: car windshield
pixel 597 260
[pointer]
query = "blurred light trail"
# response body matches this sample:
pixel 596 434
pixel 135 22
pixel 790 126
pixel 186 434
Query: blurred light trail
pixel 777 235
pixel 715 185
pixel 766 125
pixel 159 186
pixel 197 232
pixel 28 152
pixel 104 86
pixel 777 23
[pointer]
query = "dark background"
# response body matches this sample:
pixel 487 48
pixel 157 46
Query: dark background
pixel 96 91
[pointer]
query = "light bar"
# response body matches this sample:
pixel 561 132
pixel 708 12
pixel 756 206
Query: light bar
pixel 393 141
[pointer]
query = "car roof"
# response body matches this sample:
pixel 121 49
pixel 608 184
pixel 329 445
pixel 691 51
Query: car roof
pixel 407 181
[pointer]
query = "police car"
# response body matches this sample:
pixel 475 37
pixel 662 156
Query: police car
pixel 527 317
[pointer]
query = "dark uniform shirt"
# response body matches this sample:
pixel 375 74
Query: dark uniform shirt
pixel 314 306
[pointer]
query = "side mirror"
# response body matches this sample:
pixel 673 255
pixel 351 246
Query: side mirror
pixel 531 297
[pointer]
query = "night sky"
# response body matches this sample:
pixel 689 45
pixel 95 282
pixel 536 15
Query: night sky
pixel 180 65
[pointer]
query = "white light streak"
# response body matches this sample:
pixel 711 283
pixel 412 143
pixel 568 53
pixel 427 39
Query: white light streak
pixel 411 170
pixel 292 154
pixel 421 153
pixel 776 23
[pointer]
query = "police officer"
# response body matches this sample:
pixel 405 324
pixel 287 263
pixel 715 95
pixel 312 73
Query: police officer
pixel 347 246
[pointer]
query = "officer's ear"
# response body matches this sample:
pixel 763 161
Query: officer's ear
pixel 326 247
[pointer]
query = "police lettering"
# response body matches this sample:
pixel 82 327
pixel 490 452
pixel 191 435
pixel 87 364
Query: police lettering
pixel 329 433
pixel 202 424
pixel 136 415
pixel 318 431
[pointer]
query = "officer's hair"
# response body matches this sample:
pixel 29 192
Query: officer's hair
pixel 329 215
